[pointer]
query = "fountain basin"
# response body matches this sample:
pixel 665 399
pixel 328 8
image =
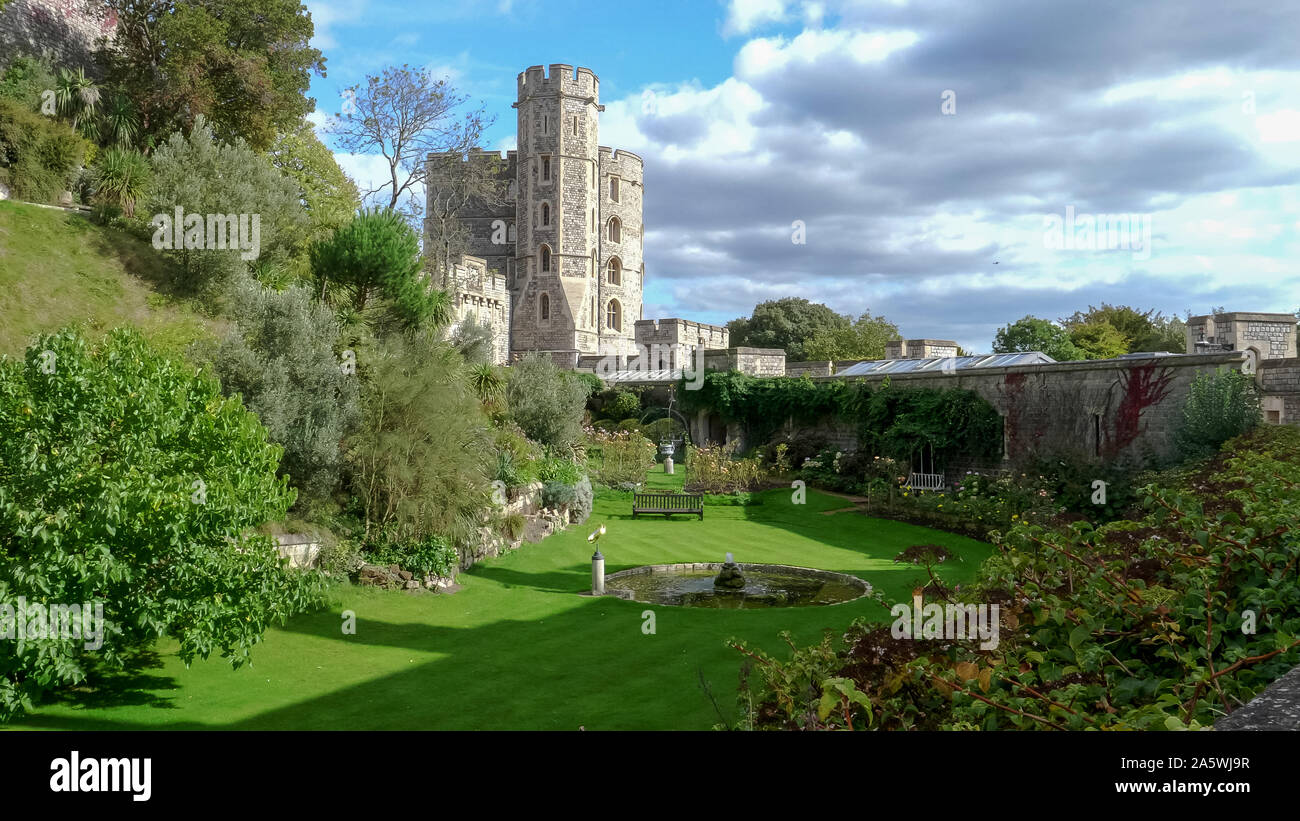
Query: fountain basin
pixel 691 584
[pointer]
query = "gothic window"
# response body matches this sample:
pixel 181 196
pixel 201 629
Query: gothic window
pixel 614 271
pixel 512 190
pixel 614 316
pixel 510 232
pixel 544 307
pixel 546 124
pixel 546 214
pixel 613 188
pixel 615 230
pixel 546 169
pixel 546 259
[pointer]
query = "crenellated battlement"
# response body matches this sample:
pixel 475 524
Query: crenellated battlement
pixel 558 78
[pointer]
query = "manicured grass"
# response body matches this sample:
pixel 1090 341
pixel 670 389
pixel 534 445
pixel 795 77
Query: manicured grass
pixel 518 648
pixel 58 268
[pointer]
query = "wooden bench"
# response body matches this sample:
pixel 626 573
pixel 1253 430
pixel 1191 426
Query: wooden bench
pixel 668 503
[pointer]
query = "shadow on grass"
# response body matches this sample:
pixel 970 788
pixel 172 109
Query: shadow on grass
pixel 133 685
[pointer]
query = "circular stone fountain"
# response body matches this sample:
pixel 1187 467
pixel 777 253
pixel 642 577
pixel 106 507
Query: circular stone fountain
pixel 743 586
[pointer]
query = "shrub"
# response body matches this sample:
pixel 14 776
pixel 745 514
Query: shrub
pixel 25 79
pixel 558 494
pixel 1219 406
pixel 591 382
pixel 342 558
pixel 545 402
pixel 206 177
pixel 422 457
pixel 663 429
pixel 281 361
pixel 128 479
pixel 622 405
pixel 39 156
pixel 558 470
pixel 715 469
pixel 625 457
pixel 1125 620
pixel 518 457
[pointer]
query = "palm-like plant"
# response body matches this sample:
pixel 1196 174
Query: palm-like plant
pixel 121 176
pixel 76 95
pixel 487 382
pixel 120 122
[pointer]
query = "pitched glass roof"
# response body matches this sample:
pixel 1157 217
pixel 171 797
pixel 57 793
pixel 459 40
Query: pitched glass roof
pixel 946 364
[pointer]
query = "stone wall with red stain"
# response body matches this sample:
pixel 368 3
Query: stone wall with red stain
pixel 1118 410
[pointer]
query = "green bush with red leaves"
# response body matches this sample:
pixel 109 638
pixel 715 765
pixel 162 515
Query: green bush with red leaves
pixel 1167 621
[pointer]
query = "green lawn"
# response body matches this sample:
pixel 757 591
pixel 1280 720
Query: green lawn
pixel 58 268
pixel 518 648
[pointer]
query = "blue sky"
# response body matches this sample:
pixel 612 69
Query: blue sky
pixel 1180 117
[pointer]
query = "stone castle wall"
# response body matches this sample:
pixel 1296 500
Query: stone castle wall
pixel 1279 383
pixel 1123 411
pixel 64 31
pixel 481 297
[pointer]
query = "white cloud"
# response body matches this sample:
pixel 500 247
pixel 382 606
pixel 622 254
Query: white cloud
pixel 743 16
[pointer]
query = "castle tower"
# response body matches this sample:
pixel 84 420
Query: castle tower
pixel 557 254
pixel 622 272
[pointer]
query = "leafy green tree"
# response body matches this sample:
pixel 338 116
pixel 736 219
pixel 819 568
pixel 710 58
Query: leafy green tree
pixel 128 480
pixel 204 176
pixel 864 339
pixel 1219 406
pixel 1098 340
pixel 328 194
pixel 1140 330
pixel 546 402
pixel 422 457
pixel 243 64
pixel 787 324
pixel 1033 334
pixel 375 258
pixel 281 361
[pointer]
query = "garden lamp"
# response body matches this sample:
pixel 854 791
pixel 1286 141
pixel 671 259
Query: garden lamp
pixel 597 564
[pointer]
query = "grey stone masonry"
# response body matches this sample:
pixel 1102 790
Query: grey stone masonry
pixel 64 31
pixel 1279 386
pixel 919 348
pixel 1277 708
pixel 671 343
pixel 481 297
pixel 1269 336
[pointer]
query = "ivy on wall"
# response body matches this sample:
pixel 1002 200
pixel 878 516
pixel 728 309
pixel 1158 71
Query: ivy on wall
pixel 890 420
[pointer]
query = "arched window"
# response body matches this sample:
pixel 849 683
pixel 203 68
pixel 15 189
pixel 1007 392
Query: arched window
pixel 510 232
pixel 614 316
pixel 544 307
pixel 613 188
pixel 614 271
pixel 546 213
pixel 615 230
pixel 546 258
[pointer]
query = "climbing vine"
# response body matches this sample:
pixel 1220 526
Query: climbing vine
pixel 890 420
